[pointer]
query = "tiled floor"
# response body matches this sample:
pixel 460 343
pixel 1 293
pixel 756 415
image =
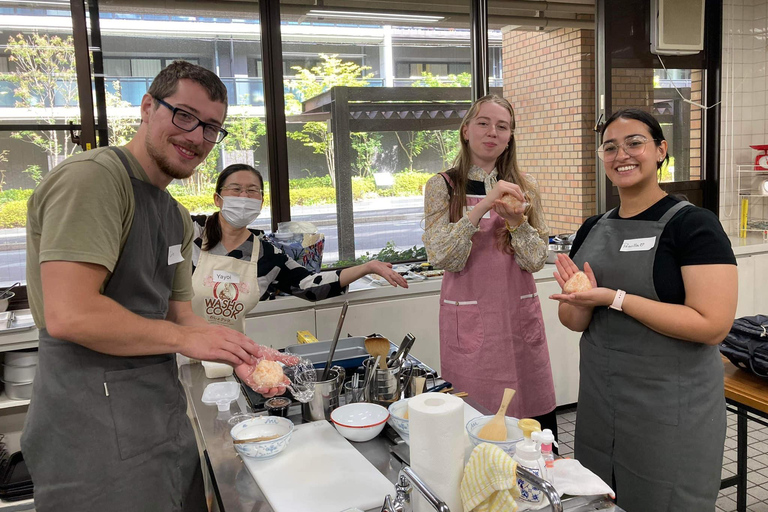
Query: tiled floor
pixel 757 488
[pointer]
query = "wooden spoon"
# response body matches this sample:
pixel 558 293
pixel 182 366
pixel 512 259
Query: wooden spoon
pixel 378 347
pixel 496 429
pixel 419 383
pixel 256 439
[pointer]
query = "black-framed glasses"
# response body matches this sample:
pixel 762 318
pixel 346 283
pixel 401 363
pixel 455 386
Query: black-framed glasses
pixel 633 146
pixel 237 189
pixel 188 121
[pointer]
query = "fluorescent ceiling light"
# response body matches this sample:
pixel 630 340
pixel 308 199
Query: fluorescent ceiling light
pixel 378 16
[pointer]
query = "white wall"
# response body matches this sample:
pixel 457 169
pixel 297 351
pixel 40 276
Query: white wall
pixel 745 99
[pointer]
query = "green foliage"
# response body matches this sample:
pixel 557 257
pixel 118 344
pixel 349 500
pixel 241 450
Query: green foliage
pixel 389 254
pixel 35 173
pixel 430 80
pixel 15 194
pixel 314 181
pixel 313 196
pixel 45 81
pixel 331 71
pixel 367 145
pixel 410 183
pixel 413 143
pixel 245 133
pixel 121 129
pixel 3 159
pixel 13 214
pixel 665 173
pixel 197 203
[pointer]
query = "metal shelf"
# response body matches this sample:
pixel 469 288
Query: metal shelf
pixel 7 403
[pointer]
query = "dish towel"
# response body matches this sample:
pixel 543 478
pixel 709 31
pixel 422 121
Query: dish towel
pixel 489 483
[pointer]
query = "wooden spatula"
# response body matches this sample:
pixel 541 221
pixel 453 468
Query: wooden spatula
pixel 496 429
pixel 418 382
pixel 378 347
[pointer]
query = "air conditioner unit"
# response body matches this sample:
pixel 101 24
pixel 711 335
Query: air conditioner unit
pixel 677 27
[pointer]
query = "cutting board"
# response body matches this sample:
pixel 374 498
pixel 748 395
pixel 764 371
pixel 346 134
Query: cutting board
pixel 319 471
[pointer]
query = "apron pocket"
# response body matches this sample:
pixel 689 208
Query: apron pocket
pixel 144 403
pixel 531 322
pixel 461 326
pixel 646 387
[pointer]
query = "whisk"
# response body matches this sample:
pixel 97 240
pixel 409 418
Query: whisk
pixel 303 377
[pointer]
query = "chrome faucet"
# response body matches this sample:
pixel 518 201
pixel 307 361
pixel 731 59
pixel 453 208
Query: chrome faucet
pixel 408 477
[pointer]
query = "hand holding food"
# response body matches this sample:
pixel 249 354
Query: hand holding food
pixel 512 203
pixel 268 374
pixel 578 282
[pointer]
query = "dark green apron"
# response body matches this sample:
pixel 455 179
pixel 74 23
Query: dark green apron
pixel 108 433
pixel 651 410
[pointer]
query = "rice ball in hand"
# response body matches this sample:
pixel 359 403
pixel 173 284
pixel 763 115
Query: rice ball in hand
pixel 578 282
pixel 511 202
pixel 268 374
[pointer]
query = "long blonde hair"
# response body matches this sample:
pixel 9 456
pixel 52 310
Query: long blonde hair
pixel 506 167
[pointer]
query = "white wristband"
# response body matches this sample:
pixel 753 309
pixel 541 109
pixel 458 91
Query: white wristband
pixel 618 300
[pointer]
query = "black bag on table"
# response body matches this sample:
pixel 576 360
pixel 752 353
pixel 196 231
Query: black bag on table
pixel 746 346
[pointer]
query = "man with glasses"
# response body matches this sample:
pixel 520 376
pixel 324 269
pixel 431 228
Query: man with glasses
pixel 108 273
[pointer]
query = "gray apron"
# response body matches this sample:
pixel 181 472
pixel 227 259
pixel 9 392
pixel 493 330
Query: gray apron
pixel 651 410
pixel 109 433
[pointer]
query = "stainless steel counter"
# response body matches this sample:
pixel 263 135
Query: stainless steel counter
pixel 237 491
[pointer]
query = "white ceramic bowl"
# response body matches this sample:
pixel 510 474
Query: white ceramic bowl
pixel 262 426
pixel 396 420
pixel 5 301
pixel 514 434
pixel 360 421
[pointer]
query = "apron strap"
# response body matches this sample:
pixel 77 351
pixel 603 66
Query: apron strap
pixel 123 159
pixel 672 211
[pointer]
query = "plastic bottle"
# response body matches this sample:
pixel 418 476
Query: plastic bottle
pixel 528 456
pixel 547 439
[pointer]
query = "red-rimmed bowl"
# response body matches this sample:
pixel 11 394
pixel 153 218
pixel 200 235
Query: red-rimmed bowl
pixel 360 421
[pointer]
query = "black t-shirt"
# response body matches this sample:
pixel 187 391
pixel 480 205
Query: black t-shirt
pixel 693 236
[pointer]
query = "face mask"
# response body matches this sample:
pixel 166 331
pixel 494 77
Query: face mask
pixel 240 211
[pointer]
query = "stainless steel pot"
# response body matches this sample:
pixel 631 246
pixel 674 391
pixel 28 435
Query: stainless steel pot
pixel 326 397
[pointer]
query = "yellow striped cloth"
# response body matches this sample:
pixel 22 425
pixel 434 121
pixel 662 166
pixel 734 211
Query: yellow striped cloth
pixel 489 483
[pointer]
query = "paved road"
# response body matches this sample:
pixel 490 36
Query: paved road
pixel 402 226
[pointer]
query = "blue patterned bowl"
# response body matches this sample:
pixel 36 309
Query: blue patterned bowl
pixel 514 434
pixel 396 412
pixel 262 426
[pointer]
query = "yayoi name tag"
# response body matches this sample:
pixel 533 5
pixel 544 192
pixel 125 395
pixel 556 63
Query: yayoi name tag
pixel 222 276
pixel 174 254
pixel 638 244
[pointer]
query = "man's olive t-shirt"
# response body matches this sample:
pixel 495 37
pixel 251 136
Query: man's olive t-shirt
pixel 83 211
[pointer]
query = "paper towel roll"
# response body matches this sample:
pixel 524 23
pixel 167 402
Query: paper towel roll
pixel 436 424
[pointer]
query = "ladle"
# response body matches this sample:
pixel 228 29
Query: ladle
pixel 7 291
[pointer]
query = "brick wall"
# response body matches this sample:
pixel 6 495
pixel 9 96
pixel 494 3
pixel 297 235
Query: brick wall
pixel 549 77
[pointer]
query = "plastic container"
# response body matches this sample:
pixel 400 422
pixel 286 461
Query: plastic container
pixel 19 373
pixel 221 394
pixel 547 439
pixel 216 370
pixel 18 390
pixel 528 455
pixel 21 357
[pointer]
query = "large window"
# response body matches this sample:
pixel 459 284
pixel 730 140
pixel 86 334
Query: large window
pixel 38 98
pixel 368 126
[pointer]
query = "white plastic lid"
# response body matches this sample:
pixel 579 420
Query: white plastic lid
pixel 221 394
pixel 547 439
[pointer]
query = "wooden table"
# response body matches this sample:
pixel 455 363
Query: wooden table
pixel 747 396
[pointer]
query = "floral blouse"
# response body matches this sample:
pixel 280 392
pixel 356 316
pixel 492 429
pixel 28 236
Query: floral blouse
pixel 449 244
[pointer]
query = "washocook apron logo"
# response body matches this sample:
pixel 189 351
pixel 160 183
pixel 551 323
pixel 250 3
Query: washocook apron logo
pixel 224 301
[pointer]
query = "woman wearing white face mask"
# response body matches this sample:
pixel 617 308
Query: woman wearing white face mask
pixel 234 266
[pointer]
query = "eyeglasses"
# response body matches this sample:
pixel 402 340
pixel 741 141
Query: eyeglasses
pixel 633 146
pixel 189 122
pixel 237 190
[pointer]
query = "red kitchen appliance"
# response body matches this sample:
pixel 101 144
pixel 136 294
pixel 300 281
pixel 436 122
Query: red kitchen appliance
pixel 761 160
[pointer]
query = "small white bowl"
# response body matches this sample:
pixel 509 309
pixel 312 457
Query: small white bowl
pixel 514 434
pixel 360 421
pixel 397 421
pixel 262 426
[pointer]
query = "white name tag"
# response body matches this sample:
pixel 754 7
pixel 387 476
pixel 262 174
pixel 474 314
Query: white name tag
pixel 174 254
pixel 638 244
pixel 222 276
pixel 487 215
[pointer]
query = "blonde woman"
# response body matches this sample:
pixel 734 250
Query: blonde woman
pixel 491 328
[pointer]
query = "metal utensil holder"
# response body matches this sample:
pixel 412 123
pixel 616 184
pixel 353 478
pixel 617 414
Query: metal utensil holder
pixel 385 386
pixel 408 477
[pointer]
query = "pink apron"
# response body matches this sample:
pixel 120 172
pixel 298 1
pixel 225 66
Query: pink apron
pixel 491 328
